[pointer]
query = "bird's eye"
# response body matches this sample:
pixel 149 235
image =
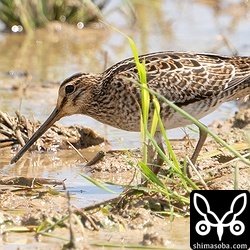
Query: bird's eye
pixel 69 89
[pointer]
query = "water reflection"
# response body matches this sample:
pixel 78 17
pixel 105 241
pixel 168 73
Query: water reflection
pixel 59 51
pixel 186 25
pixel 53 55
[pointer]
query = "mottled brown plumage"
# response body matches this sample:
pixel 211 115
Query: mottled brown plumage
pixel 198 83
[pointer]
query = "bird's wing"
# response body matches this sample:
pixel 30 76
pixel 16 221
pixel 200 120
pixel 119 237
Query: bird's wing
pixel 187 77
pixel 181 77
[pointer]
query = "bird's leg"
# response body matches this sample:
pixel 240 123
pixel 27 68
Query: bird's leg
pixel 157 163
pixel 202 139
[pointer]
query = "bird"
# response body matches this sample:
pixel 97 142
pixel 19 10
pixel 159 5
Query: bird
pixel 196 82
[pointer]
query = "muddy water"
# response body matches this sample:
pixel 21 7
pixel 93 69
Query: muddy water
pixel 51 55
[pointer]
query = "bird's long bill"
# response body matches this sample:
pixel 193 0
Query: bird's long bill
pixel 55 115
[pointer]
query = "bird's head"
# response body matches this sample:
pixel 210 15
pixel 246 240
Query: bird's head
pixel 75 94
pixel 74 97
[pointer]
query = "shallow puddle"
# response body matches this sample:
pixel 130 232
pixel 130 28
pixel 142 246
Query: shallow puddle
pixel 64 165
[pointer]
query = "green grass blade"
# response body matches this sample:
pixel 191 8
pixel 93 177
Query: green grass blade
pixel 156 116
pixel 98 184
pixel 150 175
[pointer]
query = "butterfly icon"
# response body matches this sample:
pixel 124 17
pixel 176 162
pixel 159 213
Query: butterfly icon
pixel 203 227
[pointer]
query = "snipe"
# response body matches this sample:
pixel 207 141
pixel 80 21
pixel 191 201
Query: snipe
pixel 198 83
